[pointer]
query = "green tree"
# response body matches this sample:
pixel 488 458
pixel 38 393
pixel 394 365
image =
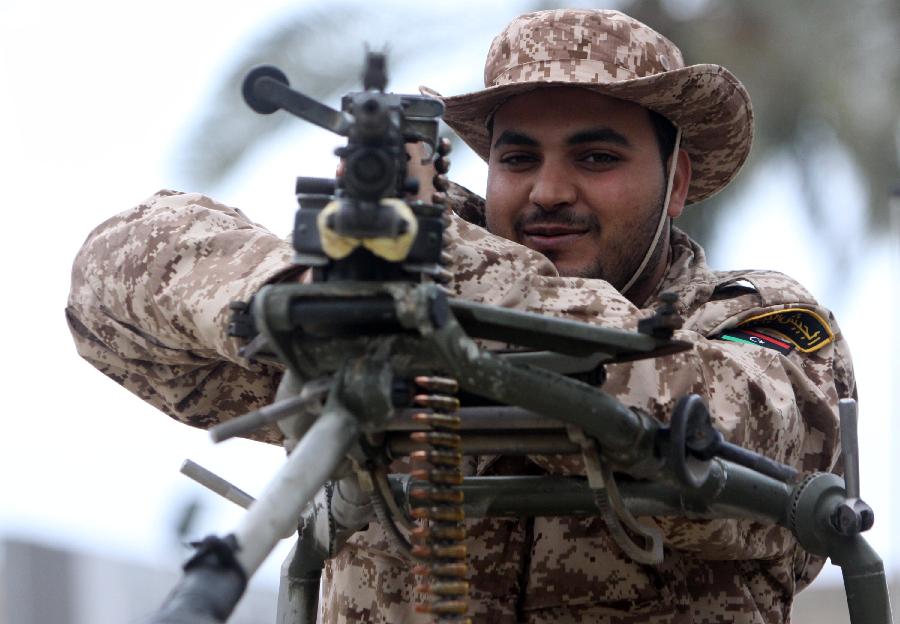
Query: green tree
pixel 821 73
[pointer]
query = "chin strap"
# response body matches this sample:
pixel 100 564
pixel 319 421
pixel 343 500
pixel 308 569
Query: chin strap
pixel 662 216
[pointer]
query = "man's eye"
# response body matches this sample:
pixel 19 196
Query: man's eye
pixel 601 158
pixel 517 160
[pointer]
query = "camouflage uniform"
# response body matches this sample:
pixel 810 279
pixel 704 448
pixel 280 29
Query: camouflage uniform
pixel 148 307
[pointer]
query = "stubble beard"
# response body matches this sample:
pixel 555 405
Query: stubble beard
pixel 616 267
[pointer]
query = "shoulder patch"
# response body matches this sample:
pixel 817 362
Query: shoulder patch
pixel 748 336
pixel 803 328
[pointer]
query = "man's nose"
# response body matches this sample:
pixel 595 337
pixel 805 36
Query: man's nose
pixel 553 187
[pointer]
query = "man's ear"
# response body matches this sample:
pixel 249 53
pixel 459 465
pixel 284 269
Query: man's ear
pixel 680 184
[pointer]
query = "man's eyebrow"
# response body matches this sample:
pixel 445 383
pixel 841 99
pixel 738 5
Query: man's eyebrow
pixel 599 135
pixel 512 137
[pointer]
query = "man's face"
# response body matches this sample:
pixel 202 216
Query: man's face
pixel 576 176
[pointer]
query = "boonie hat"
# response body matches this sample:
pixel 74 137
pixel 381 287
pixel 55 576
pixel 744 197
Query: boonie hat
pixel 611 53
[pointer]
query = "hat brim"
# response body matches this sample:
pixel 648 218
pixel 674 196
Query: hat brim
pixel 707 102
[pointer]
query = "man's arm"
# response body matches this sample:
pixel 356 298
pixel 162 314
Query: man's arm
pixel 149 305
pixel 149 308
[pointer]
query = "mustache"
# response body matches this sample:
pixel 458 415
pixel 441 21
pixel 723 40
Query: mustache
pixel 564 217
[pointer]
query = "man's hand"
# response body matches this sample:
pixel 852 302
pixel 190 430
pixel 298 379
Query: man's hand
pixel 424 173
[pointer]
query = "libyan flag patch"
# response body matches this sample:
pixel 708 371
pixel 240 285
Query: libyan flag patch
pixel 756 338
pixel 789 328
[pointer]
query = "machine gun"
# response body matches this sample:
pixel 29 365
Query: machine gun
pixel 381 364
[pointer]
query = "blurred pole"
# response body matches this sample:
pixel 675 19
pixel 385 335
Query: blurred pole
pixel 894 405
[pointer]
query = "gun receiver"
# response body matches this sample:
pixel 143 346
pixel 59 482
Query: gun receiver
pixel 365 204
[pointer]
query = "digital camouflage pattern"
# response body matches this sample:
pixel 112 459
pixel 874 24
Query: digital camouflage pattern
pixel 149 308
pixel 614 54
pixel 149 302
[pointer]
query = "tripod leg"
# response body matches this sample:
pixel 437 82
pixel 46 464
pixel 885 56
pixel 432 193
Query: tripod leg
pixel 312 462
pixel 298 592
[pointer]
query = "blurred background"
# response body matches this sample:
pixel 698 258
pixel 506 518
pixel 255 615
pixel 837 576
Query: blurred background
pixel 103 103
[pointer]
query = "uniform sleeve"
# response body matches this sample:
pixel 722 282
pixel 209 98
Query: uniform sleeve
pixel 149 299
pixel 782 406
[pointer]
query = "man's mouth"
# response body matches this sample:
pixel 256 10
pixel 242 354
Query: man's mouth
pixel 551 237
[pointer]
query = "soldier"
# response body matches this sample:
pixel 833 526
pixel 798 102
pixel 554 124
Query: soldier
pixel 596 137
